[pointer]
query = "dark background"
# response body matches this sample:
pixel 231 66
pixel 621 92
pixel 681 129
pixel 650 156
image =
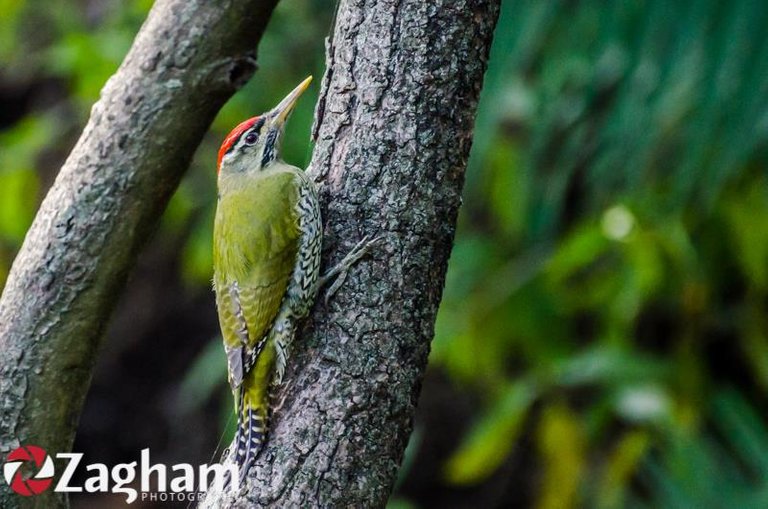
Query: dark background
pixel 603 337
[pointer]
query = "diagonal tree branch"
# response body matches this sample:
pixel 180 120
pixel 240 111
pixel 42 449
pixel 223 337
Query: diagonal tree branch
pixel 393 132
pixel 188 59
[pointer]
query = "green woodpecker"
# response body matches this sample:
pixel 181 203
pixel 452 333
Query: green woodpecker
pixel 266 255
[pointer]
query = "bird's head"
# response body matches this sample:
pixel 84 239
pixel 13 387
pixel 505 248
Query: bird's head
pixel 255 143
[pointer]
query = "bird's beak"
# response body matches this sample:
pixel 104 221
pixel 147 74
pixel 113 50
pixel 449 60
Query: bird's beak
pixel 281 112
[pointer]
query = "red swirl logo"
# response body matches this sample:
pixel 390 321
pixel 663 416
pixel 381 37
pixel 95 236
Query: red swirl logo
pixel 26 459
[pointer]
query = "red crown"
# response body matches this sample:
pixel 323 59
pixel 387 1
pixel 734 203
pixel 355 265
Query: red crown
pixel 232 137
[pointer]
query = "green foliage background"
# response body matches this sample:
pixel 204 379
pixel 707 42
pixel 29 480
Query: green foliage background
pixel 605 308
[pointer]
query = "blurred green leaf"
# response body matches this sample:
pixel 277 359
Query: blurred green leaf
pixel 400 503
pixel 197 256
pixel 10 11
pixel 718 471
pixel 207 373
pixel 620 468
pixel 492 437
pixel 17 203
pixel 609 365
pixel 19 183
pixel 562 445
pixel 748 229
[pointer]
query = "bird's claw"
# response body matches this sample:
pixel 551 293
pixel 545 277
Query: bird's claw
pixel 340 271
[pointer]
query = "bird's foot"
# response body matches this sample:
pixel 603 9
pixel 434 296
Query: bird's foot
pixel 339 273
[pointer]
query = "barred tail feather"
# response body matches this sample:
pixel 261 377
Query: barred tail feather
pixel 257 428
pixel 252 426
pixel 240 437
pixel 239 443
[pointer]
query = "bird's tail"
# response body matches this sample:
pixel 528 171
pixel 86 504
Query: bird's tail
pixel 252 426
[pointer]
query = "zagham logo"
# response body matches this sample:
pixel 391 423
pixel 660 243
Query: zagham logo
pixel 29 470
pixel 23 460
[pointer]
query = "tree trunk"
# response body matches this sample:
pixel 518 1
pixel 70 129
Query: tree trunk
pixel 187 60
pixel 393 132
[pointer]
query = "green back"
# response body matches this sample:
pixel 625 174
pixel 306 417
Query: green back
pixel 255 243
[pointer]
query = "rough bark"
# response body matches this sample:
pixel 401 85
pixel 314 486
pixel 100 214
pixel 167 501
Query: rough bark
pixel 187 60
pixel 393 133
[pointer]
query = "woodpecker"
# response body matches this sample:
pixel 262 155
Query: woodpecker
pixel 266 256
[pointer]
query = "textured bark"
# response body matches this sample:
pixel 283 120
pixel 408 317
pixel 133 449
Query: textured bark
pixel 393 132
pixel 187 60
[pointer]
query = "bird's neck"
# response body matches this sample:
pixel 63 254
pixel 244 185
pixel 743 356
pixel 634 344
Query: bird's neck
pixel 238 180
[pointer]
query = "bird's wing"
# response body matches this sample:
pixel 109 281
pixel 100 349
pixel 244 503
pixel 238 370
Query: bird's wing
pixel 262 294
pixel 257 269
pixel 275 241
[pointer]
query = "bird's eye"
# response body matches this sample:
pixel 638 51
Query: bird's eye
pixel 251 138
